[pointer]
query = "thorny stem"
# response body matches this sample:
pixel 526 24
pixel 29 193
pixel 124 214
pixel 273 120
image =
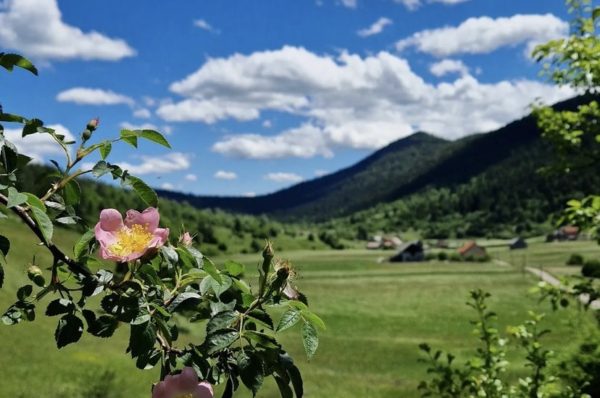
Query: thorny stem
pixel 58 254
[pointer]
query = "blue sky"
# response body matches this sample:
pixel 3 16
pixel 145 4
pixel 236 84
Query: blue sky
pixel 257 95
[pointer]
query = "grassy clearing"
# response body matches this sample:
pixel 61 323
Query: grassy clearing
pixel 377 314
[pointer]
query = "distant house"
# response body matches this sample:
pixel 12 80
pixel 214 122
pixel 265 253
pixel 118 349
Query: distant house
pixel 517 243
pixel 387 242
pixel 372 245
pixel 567 232
pixel 409 251
pixel 472 249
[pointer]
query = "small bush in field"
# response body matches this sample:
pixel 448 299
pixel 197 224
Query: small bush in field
pixel 442 256
pixel 591 269
pixel 575 259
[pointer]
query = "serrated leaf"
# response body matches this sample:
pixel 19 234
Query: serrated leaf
pixel 221 340
pixel 15 198
pixel 288 319
pixel 251 371
pixel 130 137
pixel 310 339
pixel 72 193
pixel 59 307
pixel 141 339
pixel 211 270
pixel 314 319
pixel 234 268
pixel 145 193
pixel 181 298
pixel 100 169
pixel 68 331
pixel 223 320
pixel 105 149
pixel 155 136
pixel 9 61
pixel 83 243
pixel 34 201
pixel 43 222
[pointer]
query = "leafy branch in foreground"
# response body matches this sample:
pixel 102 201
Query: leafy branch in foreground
pixel 156 285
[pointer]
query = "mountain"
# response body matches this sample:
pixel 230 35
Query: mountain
pixel 413 165
pixel 342 192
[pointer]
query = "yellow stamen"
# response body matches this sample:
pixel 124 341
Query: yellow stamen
pixel 131 240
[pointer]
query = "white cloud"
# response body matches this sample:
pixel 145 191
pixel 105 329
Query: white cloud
pixel 305 141
pixel 321 173
pixel 93 96
pixel 343 101
pixel 414 4
pixel 267 124
pixel 376 28
pixel 165 129
pixel 447 66
pixel 171 162
pixel 283 177
pixel 202 24
pixel 484 34
pixel 225 175
pixel 39 146
pixel 142 113
pixel 349 3
pixel 36 28
pixel 168 186
pixel 249 194
pixel 191 177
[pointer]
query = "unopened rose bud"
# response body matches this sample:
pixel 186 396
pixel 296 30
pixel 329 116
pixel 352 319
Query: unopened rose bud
pixel 34 273
pixel 186 239
pixel 93 124
pixel 86 135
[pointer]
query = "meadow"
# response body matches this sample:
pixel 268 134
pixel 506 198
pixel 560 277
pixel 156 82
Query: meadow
pixel 376 313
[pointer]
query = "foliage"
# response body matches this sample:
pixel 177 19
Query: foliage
pixel 581 370
pixel 158 288
pixel 591 269
pixel 484 374
pixel 575 259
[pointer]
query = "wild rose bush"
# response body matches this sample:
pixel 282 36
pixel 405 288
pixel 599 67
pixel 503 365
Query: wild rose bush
pixel 130 271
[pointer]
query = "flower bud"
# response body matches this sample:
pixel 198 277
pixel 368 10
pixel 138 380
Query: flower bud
pixel 186 239
pixel 86 135
pixel 34 273
pixel 93 124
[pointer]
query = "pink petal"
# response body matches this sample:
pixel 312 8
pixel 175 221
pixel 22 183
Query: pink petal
pixel 188 379
pixel 110 220
pixel 148 218
pixel 159 238
pixel 160 391
pixel 203 390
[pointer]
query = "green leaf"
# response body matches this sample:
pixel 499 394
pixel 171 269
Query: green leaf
pixel 24 292
pixel 211 269
pixel 141 339
pixel 146 193
pixel 9 61
pixel 314 319
pixel 181 298
pixel 130 137
pixel 596 13
pixel 34 201
pixel 4 245
pixel 288 319
pixel 59 307
pixel 251 371
pixel 72 193
pixel 223 320
pixel 69 330
pixel 15 198
pixel 296 379
pixel 155 136
pixel 100 169
pixel 234 268
pixel 32 126
pixel 310 339
pixel 219 341
pixel 43 222
pixel 2 264
pixel 105 149
pixel 284 388
pixel 83 243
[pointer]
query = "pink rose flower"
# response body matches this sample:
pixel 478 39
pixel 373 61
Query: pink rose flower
pixel 183 385
pixel 186 239
pixel 131 239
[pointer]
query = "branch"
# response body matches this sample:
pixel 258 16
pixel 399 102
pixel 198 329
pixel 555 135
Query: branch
pixel 73 265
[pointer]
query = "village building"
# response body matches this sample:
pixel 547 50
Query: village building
pixel 517 243
pixel 472 249
pixel 567 232
pixel 409 251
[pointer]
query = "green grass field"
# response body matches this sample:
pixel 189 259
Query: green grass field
pixel 376 313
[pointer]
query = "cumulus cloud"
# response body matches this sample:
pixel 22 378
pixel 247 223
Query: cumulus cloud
pixel 142 113
pixel 321 173
pixel 36 28
pixel 346 101
pixel 39 146
pixel 146 126
pixel 168 186
pixel 305 141
pixel 191 177
pixel 225 175
pixel 349 3
pixel 484 34
pixel 447 66
pixel 93 96
pixel 249 194
pixel 283 177
pixel 171 162
pixel 376 28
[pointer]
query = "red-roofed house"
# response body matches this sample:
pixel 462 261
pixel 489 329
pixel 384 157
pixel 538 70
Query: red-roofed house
pixel 472 249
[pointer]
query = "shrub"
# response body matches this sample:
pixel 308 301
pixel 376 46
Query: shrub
pixel 442 256
pixel 430 256
pixel 222 246
pixel 581 370
pixel 591 269
pixel 575 259
pixel 455 257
